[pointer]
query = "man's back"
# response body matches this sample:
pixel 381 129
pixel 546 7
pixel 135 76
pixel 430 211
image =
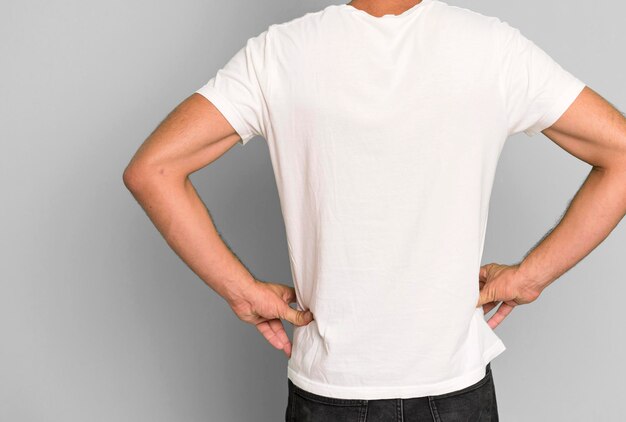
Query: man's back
pixel 384 134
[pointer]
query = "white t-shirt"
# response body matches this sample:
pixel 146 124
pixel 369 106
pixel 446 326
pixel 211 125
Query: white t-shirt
pixel 384 134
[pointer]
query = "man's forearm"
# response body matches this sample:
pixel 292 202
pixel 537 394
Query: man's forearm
pixel 593 213
pixel 175 208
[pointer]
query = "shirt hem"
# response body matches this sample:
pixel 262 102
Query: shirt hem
pixel 403 392
pixel 558 109
pixel 227 109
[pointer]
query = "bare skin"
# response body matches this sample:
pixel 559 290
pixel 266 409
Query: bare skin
pixel 595 132
pixel 192 136
pixel 196 134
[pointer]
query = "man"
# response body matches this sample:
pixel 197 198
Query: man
pixel 384 122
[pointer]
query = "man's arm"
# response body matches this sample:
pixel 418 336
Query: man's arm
pixel 193 135
pixel 594 131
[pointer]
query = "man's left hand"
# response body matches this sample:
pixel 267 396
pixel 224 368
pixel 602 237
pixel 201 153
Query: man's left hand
pixel 499 283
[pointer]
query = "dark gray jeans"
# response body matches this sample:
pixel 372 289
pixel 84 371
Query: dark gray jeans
pixel 476 403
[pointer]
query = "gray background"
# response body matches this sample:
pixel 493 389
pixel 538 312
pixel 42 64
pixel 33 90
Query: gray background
pixel 101 321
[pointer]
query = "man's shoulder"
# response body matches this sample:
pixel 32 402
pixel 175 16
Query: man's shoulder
pixel 305 22
pixel 458 12
pixel 472 26
pixel 293 37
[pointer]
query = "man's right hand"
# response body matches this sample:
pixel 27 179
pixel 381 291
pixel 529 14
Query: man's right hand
pixel 264 305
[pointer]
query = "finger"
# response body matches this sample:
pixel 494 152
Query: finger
pixel 269 334
pixel 296 317
pixel 485 295
pixel 489 306
pixel 482 273
pixel 500 314
pixel 279 330
pixel 290 294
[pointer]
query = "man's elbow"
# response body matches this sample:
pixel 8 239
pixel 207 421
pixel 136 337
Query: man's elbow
pixel 144 174
pixel 137 175
pixel 130 177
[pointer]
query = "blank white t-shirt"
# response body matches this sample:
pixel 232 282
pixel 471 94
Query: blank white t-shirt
pixel 384 134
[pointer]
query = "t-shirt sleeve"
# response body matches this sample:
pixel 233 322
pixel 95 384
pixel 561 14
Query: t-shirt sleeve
pixel 237 90
pixel 537 90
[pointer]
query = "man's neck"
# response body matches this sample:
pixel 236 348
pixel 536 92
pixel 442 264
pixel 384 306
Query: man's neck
pixel 379 8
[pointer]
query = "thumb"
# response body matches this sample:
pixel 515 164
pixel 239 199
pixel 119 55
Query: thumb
pixel 485 295
pixel 484 271
pixel 296 317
